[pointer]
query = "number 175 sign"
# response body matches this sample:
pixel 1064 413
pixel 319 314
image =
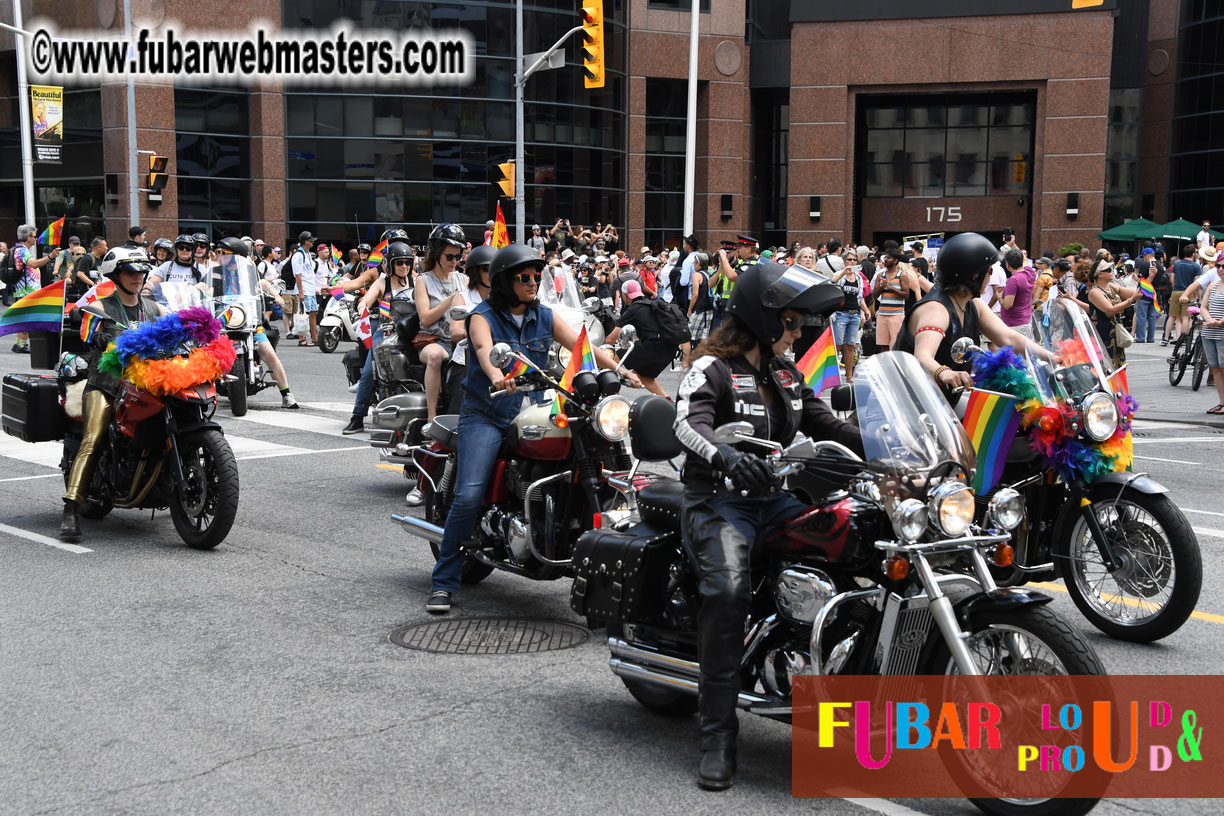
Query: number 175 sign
pixel 943 215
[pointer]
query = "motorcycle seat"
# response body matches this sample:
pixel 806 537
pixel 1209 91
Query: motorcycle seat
pixel 660 503
pixel 445 430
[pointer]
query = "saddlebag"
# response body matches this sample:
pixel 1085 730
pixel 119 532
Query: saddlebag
pixel 31 408
pixel 397 419
pixel 622 576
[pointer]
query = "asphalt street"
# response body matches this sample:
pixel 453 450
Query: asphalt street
pixel 140 676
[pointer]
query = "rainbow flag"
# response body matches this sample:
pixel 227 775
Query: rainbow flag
pixel 991 420
pixel 89 326
pixel 1148 291
pixel 519 368
pixel 53 233
pixel 819 365
pixel 335 253
pixel 500 237
pixel 384 309
pixel 376 255
pixel 582 358
pixel 38 311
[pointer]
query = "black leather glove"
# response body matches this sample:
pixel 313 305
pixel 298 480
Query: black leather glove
pixel 747 470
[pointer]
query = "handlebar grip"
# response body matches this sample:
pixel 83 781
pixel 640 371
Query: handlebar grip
pixel 518 381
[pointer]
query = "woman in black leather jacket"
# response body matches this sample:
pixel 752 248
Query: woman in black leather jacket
pixel 740 374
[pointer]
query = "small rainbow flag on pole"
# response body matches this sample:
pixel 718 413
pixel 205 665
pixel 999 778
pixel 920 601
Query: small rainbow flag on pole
pixel 500 237
pixel 384 309
pixel 1148 291
pixel 335 253
pixel 53 233
pixel 819 365
pixel 582 358
pixel 519 368
pixel 38 311
pixel 991 420
pixel 376 255
pixel 89 326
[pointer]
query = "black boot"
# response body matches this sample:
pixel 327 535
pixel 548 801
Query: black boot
pixel 70 525
pixel 717 770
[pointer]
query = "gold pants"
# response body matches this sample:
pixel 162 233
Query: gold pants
pixel 98 411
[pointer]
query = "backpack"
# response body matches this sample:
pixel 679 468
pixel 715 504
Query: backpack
pixel 673 326
pixel 8 269
pixel 286 273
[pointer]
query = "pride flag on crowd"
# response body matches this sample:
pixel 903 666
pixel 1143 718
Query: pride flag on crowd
pixel 991 421
pixel 501 236
pixel 819 365
pixel 335 253
pixel 581 359
pixel 53 233
pixel 1148 291
pixel 89 326
pixel 38 311
pixel 376 255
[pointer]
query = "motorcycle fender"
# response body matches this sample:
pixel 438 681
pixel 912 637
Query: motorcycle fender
pixel 191 426
pixel 1000 599
pixel 1139 481
pixel 330 320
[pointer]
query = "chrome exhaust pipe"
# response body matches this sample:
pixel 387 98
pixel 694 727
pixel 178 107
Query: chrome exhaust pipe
pixel 653 659
pixel 688 685
pixel 420 528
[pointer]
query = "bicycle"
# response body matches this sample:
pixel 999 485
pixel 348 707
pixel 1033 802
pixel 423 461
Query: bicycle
pixel 1188 353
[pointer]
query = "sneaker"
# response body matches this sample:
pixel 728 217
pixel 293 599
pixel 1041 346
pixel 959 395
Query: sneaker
pixel 19 348
pixel 356 425
pixel 415 497
pixel 439 602
pixel 291 336
pixel 287 400
pixel 353 388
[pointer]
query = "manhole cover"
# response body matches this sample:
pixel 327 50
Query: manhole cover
pixel 1141 434
pixel 490 636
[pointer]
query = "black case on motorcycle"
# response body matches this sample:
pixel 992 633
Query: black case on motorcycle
pixel 622 576
pixel 31 408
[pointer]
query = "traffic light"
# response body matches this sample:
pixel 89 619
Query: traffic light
pixel 1021 168
pixel 592 43
pixel 506 182
pixel 1079 4
pixel 157 173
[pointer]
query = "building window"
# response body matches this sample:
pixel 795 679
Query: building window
pixel 213 150
pixel 963 147
pixel 678 5
pixel 666 110
pixel 1122 155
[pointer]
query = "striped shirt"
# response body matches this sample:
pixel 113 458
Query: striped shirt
pixel 891 302
pixel 1215 307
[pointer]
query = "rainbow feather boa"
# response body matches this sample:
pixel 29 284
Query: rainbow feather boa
pixel 174 352
pixel 1074 459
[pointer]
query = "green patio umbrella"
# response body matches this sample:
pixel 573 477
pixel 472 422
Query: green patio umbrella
pixel 1128 231
pixel 1179 230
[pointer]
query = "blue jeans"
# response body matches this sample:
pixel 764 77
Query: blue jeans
pixel 846 328
pixel 480 438
pixel 1145 321
pixel 756 518
pixel 365 386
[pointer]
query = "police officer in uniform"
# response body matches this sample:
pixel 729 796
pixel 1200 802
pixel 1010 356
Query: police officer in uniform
pixel 741 374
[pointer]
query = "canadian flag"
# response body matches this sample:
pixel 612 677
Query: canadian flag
pixel 95 293
pixel 364 332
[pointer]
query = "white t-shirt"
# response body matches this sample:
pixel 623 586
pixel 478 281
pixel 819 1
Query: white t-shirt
pixel 834 262
pixel 997 278
pixel 1206 279
pixel 1204 239
pixel 473 298
pixel 303 267
pixel 174 272
pixel 663 282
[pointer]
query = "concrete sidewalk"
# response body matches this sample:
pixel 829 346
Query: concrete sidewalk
pixel 1148 373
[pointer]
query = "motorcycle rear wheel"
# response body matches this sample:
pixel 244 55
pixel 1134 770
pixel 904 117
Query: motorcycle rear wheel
pixel 329 339
pixel 1031 640
pixel 236 389
pixel 1160 559
pixel 204 506
pixel 656 699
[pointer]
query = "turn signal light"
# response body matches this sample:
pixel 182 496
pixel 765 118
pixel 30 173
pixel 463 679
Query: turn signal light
pixel 561 421
pixel 896 568
pixel 1004 555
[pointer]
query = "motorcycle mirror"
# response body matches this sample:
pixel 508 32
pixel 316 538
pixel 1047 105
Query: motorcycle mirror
pixel 628 334
pixel 96 310
pixel 458 313
pixel 732 432
pixel 962 348
pixel 841 398
pixel 591 305
pixel 500 354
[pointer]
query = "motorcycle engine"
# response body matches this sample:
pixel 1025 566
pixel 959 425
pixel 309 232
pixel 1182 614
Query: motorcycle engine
pixel 801 592
pixel 781 667
pixel 508 528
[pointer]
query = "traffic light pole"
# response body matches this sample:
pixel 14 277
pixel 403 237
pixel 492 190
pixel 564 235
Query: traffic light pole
pixel 23 107
pixel 690 134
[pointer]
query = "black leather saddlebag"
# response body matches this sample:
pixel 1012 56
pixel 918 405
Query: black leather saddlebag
pixel 622 576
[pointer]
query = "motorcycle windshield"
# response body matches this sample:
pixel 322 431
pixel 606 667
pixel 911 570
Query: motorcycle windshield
pixel 177 296
pixel 560 290
pixel 908 427
pixel 235 280
pixel 1080 363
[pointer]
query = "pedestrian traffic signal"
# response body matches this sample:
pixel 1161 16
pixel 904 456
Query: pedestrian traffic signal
pixel 157 173
pixel 506 182
pixel 1021 168
pixel 592 44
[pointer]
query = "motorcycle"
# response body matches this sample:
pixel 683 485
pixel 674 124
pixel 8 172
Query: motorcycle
pixel 1125 551
pixel 549 483
pixel 861 583
pixel 239 305
pixel 559 292
pixel 339 323
pixel 160 450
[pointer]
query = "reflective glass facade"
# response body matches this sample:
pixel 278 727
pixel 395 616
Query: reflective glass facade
pixel 1196 171
pixel 213 151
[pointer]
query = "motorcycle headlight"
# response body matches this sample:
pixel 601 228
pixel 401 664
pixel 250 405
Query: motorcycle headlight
pixel 1100 416
pixel 611 417
pixel 951 505
pixel 563 356
pixel 909 520
pixel 1006 509
pixel 235 317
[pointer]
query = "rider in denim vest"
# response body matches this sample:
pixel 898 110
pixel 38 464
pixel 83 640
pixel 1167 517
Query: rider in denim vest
pixel 511 315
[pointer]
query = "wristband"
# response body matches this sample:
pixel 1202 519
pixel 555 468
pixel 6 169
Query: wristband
pixel 940 371
pixel 931 328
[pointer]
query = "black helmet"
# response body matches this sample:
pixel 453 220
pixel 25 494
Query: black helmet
pixel 509 261
pixel 763 290
pixel 395 251
pixel 201 240
pixel 163 243
pixel 363 248
pixel 394 234
pixel 448 234
pixel 186 241
pixel 235 245
pixel 965 260
pixel 480 256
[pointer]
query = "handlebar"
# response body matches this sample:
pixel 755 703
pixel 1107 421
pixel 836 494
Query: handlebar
pixel 522 380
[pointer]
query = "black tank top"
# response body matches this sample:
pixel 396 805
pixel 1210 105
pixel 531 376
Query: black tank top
pixel 959 326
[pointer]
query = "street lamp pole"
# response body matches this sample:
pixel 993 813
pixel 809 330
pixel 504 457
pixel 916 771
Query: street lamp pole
pixel 23 107
pixel 520 215
pixel 690 133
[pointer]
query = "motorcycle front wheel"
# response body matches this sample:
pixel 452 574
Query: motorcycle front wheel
pixel 204 505
pixel 329 339
pixel 1159 571
pixel 1031 640
pixel 236 389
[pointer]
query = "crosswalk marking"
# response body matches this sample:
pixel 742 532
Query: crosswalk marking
pixel 47 454
pixel 296 421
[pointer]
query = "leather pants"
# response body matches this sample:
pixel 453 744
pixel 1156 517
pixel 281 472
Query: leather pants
pixel 719 544
pixel 99 409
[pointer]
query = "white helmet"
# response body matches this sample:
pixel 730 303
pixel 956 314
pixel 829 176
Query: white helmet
pixel 132 258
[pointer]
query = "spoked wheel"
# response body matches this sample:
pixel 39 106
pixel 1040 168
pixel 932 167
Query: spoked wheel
pixel 1155 584
pixel 329 338
pixel 1178 360
pixel 203 507
pixel 1200 366
pixel 1030 640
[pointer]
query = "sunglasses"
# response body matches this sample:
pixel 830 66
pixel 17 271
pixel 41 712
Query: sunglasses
pixel 452 256
pixel 792 323
pixel 529 277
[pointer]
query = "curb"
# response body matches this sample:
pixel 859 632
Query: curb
pixel 1199 422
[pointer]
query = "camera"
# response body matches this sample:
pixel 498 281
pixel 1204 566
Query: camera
pixel 1008 232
